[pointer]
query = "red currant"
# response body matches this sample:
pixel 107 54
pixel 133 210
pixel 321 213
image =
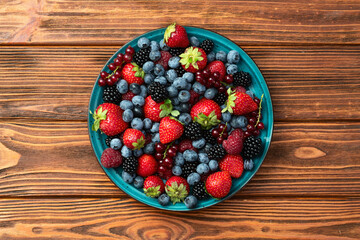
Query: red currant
pixel 117 74
pixel 217 84
pixel 225 134
pixel 174 148
pixel 114 79
pixel 102 82
pixel 220 140
pixel 250 128
pixel 260 126
pixel 112 66
pixel 118 61
pixel 161 162
pixel 256 100
pixel 252 121
pixel 229 79
pixel 216 75
pixel 109 82
pixel 171 153
pixel 130 50
pixel 161 169
pixel 120 56
pixel 168 162
pixel 160 148
pixel 127 58
pixel 222 89
pixel 222 127
pixel 199 79
pixel 158 156
pixel 211 80
pixel 215 133
pixel 247 134
pixel 198 74
pixel 256 132
pixel 104 74
pixel 254 113
pixel 206 73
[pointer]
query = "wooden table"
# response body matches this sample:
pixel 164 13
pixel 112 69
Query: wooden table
pixel 51 186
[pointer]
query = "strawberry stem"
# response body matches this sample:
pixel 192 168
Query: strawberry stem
pixel 258 120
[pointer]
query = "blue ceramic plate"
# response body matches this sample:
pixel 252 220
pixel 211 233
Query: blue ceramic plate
pixel 258 87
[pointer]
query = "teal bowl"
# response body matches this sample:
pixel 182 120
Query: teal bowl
pixel 258 87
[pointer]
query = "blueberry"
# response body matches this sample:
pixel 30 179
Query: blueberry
pixel 143 42
pixel 173 92
pixel 155 137
pixel 159 70
pixel 122 86
pixel 161 80
pixel 199 143
pixel 126 152
pixel 115 143
pixel 138 101
pixel 176 170
pixel 194 41
pixel 184 96
pixel 241 121
pixel 164 199
pixel 210 93
pixel 163 46
pixel 155 127
pixel 226 116
pixel 203 158
pixel 148 66
pixel 211 57
pixel 138 112
pixel 171 75
pixel 190 155
pixel 175 101
pixel 126 104
pixel 127 115
pixel 138 182
pixel 179 159
pixel 148 78
pixel 213 165
pixel 184 107
pixel 202 168
pixel 188 86
pixel 143 91
pixel 232 69
pixel 138 152
pixel 193 178
pixel 233 122
pixel 185 118
pixel 154 46
pixel 198 88
pixel 174 62
pixel 149 148
pixel 190 201
pixel 179 83
pixel 250 93
pixel 227 64
pixel 233 57
pixel 248 164
pixel 127 177
pixel 155 55
pixel 221 56
pixel 147 123
pixel 135 88
pixel 137 123
pixel 189 77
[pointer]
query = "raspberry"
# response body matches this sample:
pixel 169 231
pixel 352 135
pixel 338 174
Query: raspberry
pixel 111 158
pixel 185 145
pixel 165 56
pixel 128 96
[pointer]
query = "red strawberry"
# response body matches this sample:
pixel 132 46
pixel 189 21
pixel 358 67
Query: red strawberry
pixel 239 103
pixel 155 111
pixel 185 145
pixel 206 112
pixel 111 158
pixel 176 36
pixel 108 117
pixel 153 186
pixel 232 164
pixel 133 138
pixel 147 165
pixel 177 188
pixel 165 56
pixel 217 66
pixel 128 96
pixel 218 184
pixel 132 73
pixel 234 144
pixel 170 129
pixel 193 59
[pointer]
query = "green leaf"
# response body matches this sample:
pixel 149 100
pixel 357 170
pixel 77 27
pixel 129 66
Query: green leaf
pixel 163 114
pixel 170 29
pixel 175 113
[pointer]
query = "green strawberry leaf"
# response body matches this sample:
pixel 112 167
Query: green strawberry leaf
pixel 98 116
pixel 175 113
pixel 169 30
pixel 139 143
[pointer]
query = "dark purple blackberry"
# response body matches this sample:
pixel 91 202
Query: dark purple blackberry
pixel 207 45
pixel 142 56
pixel 176 51
pixel 111 95
pixel 199 191
pixel 242 79
pixel 251 147
pixel 109 138
pixel 216 152
pixel 220 98
pixel 130 165
pixel 193 131
pixel 158 92
pixel 187 168
pixel 208 137
pixel 180 71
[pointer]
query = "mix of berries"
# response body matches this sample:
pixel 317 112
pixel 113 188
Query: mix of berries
pixel 180 120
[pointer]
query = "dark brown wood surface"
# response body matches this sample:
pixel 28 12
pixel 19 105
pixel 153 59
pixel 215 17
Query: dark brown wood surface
pixel 51 185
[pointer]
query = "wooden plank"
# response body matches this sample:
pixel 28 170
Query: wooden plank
pixel 306 83
pixel 56 159
pixel 117 22
pixel 112 218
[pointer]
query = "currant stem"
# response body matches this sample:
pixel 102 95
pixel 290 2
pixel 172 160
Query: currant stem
pixel 258 120
pixel 167 148
pixel 220 135
pixel 109 76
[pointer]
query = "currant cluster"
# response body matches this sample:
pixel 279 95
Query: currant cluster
pixel 254 125
pixel 208 79
pixel 220 133
pixel 165 157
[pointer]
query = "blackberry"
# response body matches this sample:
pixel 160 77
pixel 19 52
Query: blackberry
pixel 142 56
pixel 130 165
pixel 209 138
pixel 207 45
pixel 158 92
pixel 242 79
pixel 176 51
pixel 220 98
pixel 216 152
pixel 187 168
pixel 111 95
pixel 193 131
pixel 109 138
pixel 252 147
pixel 180 71
pixel 199 191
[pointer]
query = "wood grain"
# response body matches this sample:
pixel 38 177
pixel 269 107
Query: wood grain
pixel 111 218
pixel 306 83
pixel 117 22
pixel 304 159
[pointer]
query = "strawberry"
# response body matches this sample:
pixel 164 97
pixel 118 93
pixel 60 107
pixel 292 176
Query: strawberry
pixel 164 59
pixel 239 103
pixel 108 117
pixel 218 184
pixel 132 73
pixel 170 129
pixel 133 138
pixel 232 164
pixel 193 59
pixel 111 158
pixel 185 145
pixel 217 66
pixel 155 111
pixel 153 186
pixel 234 144
pixel 128 96
pixel 147 165
pixel 206 112
pixel 177 188
pixel 176 36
